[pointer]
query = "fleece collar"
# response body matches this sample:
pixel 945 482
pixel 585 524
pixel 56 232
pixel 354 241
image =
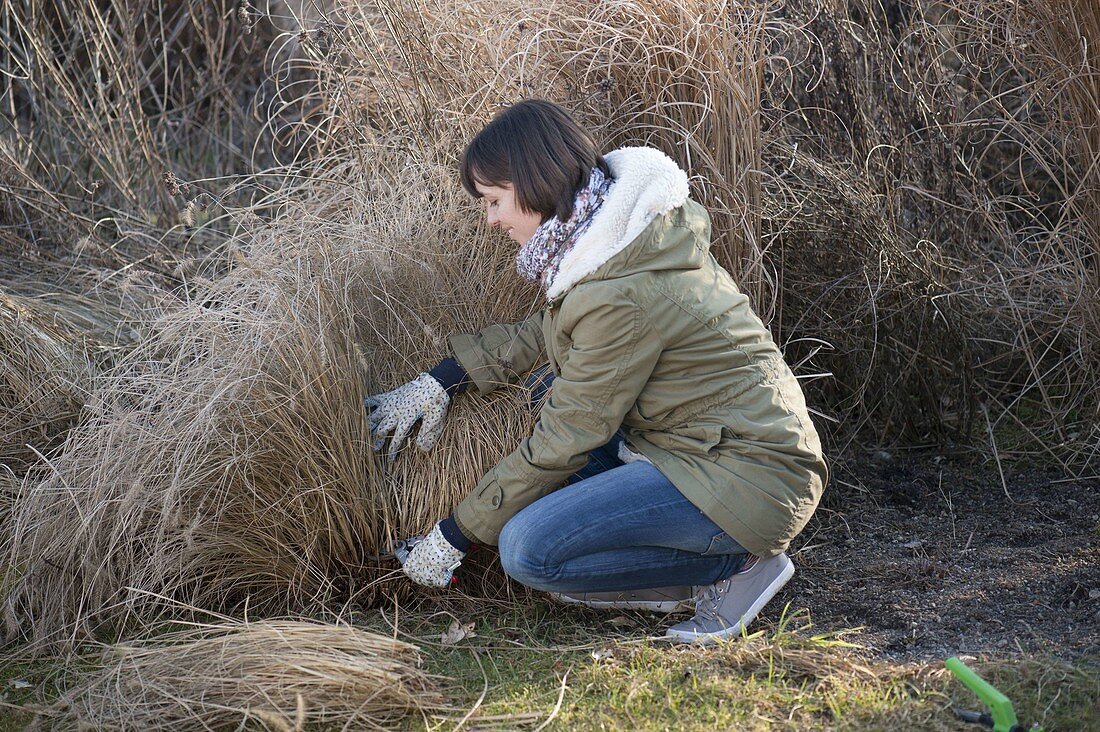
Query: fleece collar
pixel 648 184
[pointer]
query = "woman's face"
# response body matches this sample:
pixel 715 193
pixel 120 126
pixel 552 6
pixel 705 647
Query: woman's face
pixel 502 209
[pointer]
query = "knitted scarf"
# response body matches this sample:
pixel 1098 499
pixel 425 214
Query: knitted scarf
pixel 541 256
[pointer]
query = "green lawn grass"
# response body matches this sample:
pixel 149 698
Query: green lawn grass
pixel 583 670
pixel 540 666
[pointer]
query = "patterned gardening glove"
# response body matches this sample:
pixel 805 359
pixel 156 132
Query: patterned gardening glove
pixel 398 410
pixel 432 560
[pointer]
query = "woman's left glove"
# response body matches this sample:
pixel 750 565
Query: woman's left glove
pixel 433 560
pixel 398 410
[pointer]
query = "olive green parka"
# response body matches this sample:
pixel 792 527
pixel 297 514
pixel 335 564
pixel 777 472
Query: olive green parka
pixel 645 331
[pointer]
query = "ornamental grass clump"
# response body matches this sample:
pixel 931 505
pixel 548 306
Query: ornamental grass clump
pixel 221 460
pixel 225 461
pixel 928 173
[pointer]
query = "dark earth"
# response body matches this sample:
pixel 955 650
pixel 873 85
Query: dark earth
pixel 932 558
pixel 923 557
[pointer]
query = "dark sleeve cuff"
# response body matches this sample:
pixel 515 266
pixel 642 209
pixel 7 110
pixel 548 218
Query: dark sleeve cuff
pixel 454 535
pixel 450 374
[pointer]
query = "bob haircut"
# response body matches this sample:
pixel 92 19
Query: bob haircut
pixel 540 150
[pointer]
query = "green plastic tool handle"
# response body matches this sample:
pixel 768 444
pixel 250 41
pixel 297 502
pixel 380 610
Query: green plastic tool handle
pixel 1000 708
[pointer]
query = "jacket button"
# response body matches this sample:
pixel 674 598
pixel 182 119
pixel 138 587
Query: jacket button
pixel 495 501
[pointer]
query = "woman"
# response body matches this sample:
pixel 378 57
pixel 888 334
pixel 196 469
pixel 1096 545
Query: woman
pixel 673 458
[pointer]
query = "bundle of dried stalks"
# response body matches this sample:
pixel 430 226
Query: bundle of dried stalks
pixel 272 675
pixel 51 347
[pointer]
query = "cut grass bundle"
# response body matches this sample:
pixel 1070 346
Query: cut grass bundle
pixel 275 675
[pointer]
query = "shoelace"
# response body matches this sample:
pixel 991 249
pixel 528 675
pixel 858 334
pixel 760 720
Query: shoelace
pixel 709 599
pixel 706 607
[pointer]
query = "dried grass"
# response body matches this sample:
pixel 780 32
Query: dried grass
pixel 9 491
pixel 919 195
pixel 273 675
pixel 685 77
pixel 103 97
pixel 224 460
pixel 51 348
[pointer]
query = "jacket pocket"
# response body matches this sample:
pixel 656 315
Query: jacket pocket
pixel 490 496
pixel 694 439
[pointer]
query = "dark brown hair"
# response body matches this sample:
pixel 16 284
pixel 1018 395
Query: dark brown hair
pixel 537 147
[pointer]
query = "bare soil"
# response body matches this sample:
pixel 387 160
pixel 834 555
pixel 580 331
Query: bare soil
pixel 933 558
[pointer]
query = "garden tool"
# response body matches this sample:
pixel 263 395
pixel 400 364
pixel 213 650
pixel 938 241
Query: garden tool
pixel 402 548
pixel 1000 716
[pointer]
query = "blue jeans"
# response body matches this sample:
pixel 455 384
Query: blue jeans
pixel 614 526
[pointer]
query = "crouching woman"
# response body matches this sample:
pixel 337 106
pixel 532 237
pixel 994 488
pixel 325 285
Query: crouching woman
pixel 673 459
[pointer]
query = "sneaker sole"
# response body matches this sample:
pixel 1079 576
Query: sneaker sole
pixel 656 606
pixel 769 592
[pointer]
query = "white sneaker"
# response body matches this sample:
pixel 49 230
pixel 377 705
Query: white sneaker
pixel 724 609
pixel 658 599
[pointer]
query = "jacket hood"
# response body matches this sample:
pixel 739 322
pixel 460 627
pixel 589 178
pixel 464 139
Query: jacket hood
pixel 647 184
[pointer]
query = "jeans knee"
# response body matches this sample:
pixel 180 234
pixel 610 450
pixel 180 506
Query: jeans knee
pixel 519 555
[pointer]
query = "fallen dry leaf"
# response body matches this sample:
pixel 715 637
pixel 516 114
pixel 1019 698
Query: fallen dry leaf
pixel 458 631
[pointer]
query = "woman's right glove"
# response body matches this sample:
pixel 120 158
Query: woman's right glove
pixel 423 398
pixel 432 560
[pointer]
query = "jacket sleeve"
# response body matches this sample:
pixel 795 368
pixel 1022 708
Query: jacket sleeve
pixel 613 351
pixel 499 354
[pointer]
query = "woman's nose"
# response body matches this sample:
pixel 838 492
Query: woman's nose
pixel 492 217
